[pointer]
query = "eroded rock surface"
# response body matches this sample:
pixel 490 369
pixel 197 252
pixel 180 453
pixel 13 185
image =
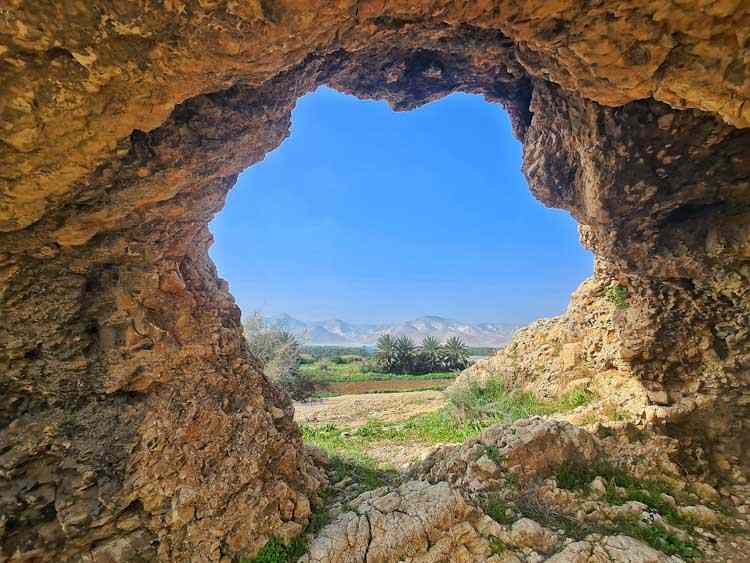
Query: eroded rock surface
pixel 500 499
pixel 423 523
pixel 531 447
pixel 134 423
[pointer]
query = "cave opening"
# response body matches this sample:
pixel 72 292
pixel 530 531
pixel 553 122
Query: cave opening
pixel 129 361
pixel 360 198
pixel 367 222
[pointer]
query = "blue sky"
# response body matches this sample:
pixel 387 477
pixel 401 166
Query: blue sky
pixel 369 215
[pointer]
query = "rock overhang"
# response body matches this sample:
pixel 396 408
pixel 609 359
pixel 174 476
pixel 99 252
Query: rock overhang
pixel 124 128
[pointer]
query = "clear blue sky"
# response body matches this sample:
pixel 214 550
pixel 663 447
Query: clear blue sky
pixel 369 215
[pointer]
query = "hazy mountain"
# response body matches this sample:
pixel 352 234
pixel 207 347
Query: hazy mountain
pixel 335 332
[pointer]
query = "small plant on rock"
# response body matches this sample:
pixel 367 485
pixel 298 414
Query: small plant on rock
pixel 498 509
pixel 618 296
pixel 497 547
pixel 276 552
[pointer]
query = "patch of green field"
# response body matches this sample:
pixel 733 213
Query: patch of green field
pixel 469 412
pixel 329 372
pixel 492 403
pixel 347 456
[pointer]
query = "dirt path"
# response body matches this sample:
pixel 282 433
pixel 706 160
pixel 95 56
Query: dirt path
pixel 354 411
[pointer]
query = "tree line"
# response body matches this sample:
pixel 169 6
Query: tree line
pixel 400 355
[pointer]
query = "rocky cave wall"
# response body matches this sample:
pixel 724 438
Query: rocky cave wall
pixel 134 423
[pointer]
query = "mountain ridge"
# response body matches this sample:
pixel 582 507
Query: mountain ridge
pixel 337 332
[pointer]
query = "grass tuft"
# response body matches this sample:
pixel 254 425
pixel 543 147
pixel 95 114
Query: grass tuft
pixel 497 547
pixel 622 487
pixel 498 509
pixel 492 403
pixel 276 552
pixel 347 456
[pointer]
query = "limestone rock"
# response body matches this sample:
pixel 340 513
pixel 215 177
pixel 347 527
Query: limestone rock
pixel 611 549
pixel 530 448
pixel 129 394
pixel 418 522
pixel 527 533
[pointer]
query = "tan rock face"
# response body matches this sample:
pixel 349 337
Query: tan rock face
pixel 530 448
pixel 133 419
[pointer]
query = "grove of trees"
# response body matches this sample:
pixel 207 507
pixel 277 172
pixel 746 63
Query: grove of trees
pixel 400 355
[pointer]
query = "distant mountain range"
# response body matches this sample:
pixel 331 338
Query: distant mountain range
pixel 335 332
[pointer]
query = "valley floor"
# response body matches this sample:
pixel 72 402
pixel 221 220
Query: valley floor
pixel 348 413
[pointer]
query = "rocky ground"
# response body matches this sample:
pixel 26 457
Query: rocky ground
pixel 539 490
pixel 599 482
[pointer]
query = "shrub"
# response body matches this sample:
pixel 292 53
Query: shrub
pixel 492 401
pixel 499 510
pixel 281 355
pixel 276 552
pixel 618 296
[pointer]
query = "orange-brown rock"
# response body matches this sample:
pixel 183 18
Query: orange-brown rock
pixel 133 422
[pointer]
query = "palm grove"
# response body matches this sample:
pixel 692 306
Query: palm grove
pixel 281 355
pixel 401 355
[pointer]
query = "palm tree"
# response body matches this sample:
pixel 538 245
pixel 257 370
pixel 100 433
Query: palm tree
pixel 286 338
pixel 385 356
pixel 430 353
pixel 455 354
pixel 405 349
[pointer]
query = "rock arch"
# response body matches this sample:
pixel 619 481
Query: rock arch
pixel 133 419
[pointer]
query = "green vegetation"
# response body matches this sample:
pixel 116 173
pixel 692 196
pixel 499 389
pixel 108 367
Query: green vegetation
pixel 396 358
pixel 618 295
pixel 497 547
pixel 325 371
pixel 347 456
pixel 499 510
pixel 657 537
pixel 276 552
pixel 401 355
pixel 281 356
pixel 651 533
pixel 492 403
pixel 622 487
pixel 469 412
pixel 334 353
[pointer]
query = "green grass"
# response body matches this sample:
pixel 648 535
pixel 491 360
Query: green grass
pixel 348 457
pixel 497 547
pixel 498 509
pixel 276 552
pixel 648 491
pixel 470 411
pixel 657 537
pixel 492 403
pixel 622 487
pixel 652 534
pixel 326 394
pixel 328 372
